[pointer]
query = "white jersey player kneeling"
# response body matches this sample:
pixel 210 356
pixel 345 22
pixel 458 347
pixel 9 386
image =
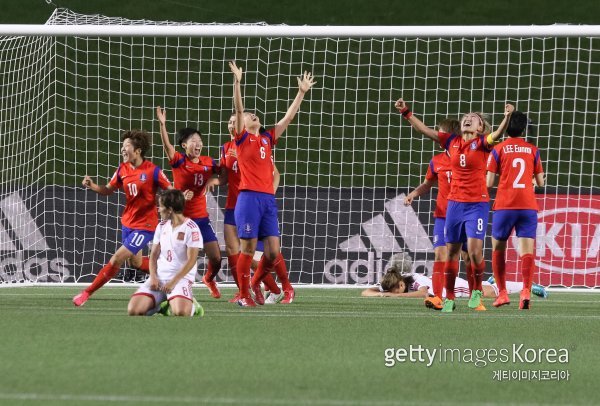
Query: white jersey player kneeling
pixel 173 257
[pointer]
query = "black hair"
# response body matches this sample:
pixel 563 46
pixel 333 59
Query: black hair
pixel 139 139
pixel 517 124
pixel 185 133
pixel 408 280
pixel 172 199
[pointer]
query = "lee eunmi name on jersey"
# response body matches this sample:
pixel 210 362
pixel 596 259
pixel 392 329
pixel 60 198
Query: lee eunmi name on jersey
pixel 507 149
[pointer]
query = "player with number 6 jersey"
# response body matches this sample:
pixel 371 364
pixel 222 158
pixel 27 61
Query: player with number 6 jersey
pixel 140 179
pixel 468 201
pixel 517 163
pixel 191 173
pixel 256 209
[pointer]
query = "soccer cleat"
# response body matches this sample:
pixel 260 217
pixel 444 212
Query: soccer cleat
pixel 480 308
pixel 502 299
pixel 449 306
pixel 235 298
pixel 539 290
pixel 81 298
pixel 475 299
pixel 434 303
pixel 274 298
pixel 198 309
pixel 524 301
pixel 288 296
pixel 165 309
pixel 212 287
pixel 246 302
pixel 258 296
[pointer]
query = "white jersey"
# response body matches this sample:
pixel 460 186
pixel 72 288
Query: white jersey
pixel 421 281
pixel 174 243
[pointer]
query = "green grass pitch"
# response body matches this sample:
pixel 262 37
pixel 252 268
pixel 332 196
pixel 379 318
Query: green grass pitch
pixel 327 348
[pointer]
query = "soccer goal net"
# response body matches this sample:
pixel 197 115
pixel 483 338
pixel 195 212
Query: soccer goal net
pixel 347 161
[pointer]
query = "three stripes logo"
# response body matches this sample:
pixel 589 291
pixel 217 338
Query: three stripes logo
pixel 24 252
pixel 380 236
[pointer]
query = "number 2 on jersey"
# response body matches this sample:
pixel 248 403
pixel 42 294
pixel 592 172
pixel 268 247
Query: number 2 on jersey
pixel 521 163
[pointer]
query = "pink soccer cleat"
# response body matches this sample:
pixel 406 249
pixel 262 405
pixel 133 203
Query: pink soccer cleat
pixel 212 287
pixel 81 298
pixel 246 302
pixel 258 295
pixel 288 296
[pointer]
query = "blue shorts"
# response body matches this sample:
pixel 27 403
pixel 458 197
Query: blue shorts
pixel 230 219
pixel 438 234
pixel 466 220
pixel 206 229
pixel 523 221
pixel 256 215
pixel 135 240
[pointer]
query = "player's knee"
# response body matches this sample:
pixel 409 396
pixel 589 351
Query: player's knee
pixel 135 311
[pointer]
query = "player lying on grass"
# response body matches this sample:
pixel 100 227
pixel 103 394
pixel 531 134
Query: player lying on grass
pixel 400 281
pixel 175 248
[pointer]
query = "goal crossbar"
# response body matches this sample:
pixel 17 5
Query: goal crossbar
pixel 236 30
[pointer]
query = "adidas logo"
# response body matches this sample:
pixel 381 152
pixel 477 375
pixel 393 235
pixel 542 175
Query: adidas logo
pixel 24 252
pixel 378 239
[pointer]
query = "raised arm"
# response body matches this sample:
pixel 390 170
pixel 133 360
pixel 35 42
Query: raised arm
pixel 508 109
pixel 238 103
pixel 417 124
pixel 161 116
pixel 420 190
pixel 305 82
pixel 101 190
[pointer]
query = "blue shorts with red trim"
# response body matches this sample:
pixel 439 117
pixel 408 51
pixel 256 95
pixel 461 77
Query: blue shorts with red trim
pixel 524 222
pixel 256 215
pixel 135 240
pixel 466 220
pixel 206 229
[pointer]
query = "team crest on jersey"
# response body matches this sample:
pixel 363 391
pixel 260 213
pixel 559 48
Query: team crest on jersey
pixel 474 145
pixel 264 141
pixel 206 169
pixel 143 177
pixel 180 236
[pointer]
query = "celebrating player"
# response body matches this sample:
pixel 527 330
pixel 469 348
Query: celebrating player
pixel 177 241
pixel 230 175
pixel 439 171
pixel 256 210
pixel 517 162
pixel 191 172
pixel 139 179
pixel 468 200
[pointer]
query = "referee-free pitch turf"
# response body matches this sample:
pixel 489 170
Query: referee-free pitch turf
pixel 327 348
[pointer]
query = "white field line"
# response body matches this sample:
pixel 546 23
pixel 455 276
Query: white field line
pixel 41 398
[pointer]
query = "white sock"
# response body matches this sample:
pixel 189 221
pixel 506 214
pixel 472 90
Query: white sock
pixel 513 287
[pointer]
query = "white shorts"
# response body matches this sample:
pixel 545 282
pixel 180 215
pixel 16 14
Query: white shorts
pixel 182 289
pixel 257 256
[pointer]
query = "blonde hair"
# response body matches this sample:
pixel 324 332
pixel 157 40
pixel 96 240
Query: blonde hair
pixel 450 126
pixel 485 121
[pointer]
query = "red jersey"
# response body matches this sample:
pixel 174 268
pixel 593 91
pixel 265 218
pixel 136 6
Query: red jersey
pixel 439 170
pixel 255 160
pixel 188 175
pixel 229 163
pixel 468 164
pixel 139 185
pixel 516 161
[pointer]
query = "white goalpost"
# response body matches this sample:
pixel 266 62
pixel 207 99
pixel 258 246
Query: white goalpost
pixel 69 88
